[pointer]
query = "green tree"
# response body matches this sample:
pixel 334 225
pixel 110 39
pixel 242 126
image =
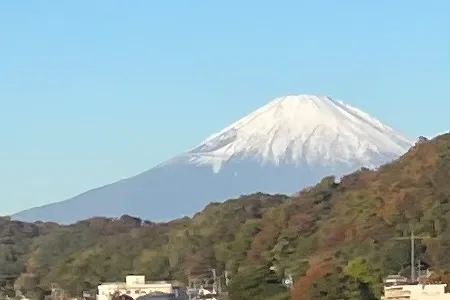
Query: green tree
pixel 256 283
pixel 153 264
pixel 364 278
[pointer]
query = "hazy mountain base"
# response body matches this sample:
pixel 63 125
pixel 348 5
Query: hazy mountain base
pixel 337 240
pixel 181 188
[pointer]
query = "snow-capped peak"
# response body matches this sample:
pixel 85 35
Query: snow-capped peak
pixel 303 129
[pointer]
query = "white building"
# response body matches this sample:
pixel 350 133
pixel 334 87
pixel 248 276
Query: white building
pixel 204 294
pixel 134 286
pixel 398 288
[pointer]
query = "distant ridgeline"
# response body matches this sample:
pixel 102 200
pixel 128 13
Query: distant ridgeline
pixel 336 240
pixel 288 144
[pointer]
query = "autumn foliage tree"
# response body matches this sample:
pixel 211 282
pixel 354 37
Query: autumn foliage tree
pixel 337 239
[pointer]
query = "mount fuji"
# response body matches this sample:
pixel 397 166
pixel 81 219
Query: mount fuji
pixel 282 147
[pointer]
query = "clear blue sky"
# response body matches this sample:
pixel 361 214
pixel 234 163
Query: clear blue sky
pixel 95 91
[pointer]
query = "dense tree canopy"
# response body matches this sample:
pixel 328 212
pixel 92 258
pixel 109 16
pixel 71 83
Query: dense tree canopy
pixel 337 240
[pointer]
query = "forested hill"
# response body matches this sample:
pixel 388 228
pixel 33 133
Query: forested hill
pixel 337 239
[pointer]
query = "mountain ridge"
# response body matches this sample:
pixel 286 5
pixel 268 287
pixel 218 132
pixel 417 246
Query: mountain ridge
pixel 281 147
pixel 335 238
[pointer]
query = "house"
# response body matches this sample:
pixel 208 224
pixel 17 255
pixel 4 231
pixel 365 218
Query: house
pixel 134 286
pixel 400 288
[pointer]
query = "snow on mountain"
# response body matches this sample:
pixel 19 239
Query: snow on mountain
pixel 303 129
pixel 282 147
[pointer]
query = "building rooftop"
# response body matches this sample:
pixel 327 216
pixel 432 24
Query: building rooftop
pixel 124 282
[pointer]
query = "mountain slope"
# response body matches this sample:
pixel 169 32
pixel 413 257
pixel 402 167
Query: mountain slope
pixel 288 144
pixel 335 239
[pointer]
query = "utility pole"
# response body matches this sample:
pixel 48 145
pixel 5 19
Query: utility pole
pixel 192 289
pixel 219 285
pixel 214 279
pixel 413 256
pixel 227 279
pixel 412 239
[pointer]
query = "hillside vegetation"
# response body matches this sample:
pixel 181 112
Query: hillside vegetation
pixel 337 240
